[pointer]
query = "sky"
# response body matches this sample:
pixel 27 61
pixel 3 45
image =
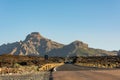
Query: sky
pixel 95 22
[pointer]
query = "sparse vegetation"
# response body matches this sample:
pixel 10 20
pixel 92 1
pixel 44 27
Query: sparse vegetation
pixel 99 61
pixel 24 64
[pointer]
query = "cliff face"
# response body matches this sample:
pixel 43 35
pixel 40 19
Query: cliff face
pixel 36 44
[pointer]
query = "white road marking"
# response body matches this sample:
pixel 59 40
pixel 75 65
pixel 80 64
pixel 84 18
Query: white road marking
pixel 55 69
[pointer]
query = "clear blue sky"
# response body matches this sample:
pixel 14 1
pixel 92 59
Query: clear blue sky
pixel 96 22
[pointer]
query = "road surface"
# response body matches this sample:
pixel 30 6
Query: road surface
pixel 72 72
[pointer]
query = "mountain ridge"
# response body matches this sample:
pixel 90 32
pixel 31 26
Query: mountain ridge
pixel 36 44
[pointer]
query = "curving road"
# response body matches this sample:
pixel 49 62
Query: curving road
pixel 72 72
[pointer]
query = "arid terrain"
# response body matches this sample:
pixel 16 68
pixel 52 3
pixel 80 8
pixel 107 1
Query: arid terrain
pixel 31 76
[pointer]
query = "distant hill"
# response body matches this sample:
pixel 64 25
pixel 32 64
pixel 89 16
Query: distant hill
pixel 36 44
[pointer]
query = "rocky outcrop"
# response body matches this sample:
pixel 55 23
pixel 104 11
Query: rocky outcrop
pixel 78 48
pixel 36 44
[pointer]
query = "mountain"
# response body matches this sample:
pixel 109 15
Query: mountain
pixel 36 44
pixel 78 48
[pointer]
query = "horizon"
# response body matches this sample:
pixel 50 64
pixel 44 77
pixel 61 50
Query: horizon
pixel 93 22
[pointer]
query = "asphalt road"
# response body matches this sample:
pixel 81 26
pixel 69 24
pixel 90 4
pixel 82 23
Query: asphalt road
pixel 73 72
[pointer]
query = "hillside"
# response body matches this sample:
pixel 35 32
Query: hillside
pixel 37 45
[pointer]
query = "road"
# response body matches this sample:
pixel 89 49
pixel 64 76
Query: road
pixel 72 72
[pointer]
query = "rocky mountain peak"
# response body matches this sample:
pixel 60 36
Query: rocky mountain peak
pixel 34 36
pixel 79 44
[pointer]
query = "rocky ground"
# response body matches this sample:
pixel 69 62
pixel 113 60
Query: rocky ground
pixel 31 76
